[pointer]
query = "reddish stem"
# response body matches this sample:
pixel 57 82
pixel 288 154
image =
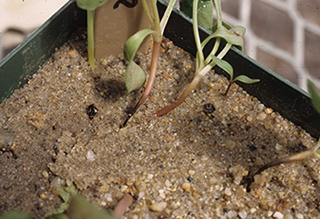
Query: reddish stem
pixel 152 76
pixel 180 100
pixel 123 204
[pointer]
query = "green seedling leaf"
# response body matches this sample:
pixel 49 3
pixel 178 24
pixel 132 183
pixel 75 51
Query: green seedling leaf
pixel 90 4
pixel 133 43
pixel 224 65
pixel 82 209
pixel 246 80
pixel 205 15
pixel 314 95
pixel 134 77
pixel 65 192
pixel 16 215
pixel 205 11
pixel 234 36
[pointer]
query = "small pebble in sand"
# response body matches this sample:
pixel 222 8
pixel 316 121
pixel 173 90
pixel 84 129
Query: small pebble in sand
pixel 268 110
pixel 45 174
pixel 90 155
pixel 140 185
pixel 158 206
pixel 43 196
pixel 277 215
pixel 72 54
pixel 228 191
pixel 230 144
pixel 186 186
pixel 262 116
pixel 168 138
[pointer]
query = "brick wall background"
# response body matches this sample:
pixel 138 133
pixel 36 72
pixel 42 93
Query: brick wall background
pixel 283 35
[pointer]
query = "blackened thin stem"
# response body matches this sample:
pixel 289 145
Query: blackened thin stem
pixel 228 88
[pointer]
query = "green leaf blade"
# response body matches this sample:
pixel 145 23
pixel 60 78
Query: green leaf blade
pixel 205 11
pixel 134 77
pixel 90 5
pixel 234 35
pixel 16 215
pixel 246 80
pixel 81 208
pixel 224 65
pixel 133 43
pixel 314 95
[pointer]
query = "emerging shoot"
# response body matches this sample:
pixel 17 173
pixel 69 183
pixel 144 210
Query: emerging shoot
pixel 228 68
pixel 221 31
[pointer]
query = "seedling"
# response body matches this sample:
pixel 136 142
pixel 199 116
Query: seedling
pixel 228 68
pixel 311 153
pixel 90 6
pixel 134 75
pixel 221 31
